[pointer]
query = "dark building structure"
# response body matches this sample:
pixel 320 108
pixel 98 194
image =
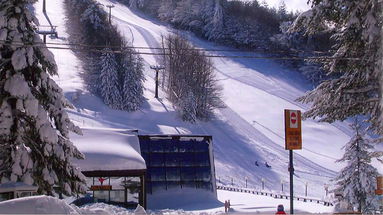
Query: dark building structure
pixel 123 169
pixel 178 161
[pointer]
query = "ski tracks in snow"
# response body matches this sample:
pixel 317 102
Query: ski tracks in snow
pixel 236 138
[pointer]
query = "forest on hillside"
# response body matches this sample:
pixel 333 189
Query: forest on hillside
pixel 247 25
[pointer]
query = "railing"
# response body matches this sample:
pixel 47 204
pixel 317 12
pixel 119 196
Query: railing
pixel 274 195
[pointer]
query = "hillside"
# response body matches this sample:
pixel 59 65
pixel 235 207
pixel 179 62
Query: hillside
pixel 249 129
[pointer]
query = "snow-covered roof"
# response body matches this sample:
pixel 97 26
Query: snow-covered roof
pixel 16 186
pixel 110 149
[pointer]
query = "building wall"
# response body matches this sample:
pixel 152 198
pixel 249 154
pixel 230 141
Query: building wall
pixel 178 162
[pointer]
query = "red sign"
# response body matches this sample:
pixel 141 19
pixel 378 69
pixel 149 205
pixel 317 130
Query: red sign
pixel 293 130
pixel 100 187
pixel 379 183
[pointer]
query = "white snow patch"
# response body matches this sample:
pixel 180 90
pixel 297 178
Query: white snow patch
pixel 19 60
pixel 108 150
pixel 17 86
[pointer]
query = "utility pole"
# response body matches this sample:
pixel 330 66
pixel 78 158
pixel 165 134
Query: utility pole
pixel 263 184
pixel 156 69
pixel 110 12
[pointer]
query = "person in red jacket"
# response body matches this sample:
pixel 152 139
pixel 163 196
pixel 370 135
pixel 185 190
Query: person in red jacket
pixel 280 210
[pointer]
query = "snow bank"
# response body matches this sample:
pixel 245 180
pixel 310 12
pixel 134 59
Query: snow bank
pixel 36 205
pixel 108 150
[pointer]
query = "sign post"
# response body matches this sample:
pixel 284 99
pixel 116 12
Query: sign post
pixel 293 141
pixel 379 190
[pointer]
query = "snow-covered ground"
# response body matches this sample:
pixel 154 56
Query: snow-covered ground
pixel 255 92
pixel 249 129
pixel 240 203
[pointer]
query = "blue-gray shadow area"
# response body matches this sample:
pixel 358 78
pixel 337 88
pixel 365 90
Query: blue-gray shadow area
pixel 87 102
pixel 186 199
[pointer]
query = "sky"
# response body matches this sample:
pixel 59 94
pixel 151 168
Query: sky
pixel 292 5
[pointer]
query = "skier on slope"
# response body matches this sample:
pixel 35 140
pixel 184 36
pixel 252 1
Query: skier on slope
pixel 280 210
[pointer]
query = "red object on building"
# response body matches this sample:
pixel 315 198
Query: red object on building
pixel 101 180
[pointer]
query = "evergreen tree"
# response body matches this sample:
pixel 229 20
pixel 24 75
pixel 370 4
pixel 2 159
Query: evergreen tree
pixel 355 87
pixel 34 126
pixel 134 4
pixel 132 93
pixel 93 16
pixel 183 14
pixel 215 26
pixel 356 181
pixel 109 77
pixel 166 10
pixel 282 12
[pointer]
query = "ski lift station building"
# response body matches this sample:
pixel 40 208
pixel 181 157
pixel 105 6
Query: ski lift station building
pixel 127 169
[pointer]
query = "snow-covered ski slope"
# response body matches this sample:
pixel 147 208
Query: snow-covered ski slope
pixel 249 129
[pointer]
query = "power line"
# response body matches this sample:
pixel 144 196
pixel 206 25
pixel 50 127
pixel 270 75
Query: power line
pixel 160 48
pixel 198 49
pixel 122 50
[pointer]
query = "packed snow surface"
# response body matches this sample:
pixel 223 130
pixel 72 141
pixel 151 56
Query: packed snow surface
pixel 240 203
pixel 249 129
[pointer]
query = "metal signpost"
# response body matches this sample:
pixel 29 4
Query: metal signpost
pixel 293 141
pixel 379 190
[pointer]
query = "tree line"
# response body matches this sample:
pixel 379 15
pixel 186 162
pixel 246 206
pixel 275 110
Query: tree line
pixel 250 25
pixel 116 77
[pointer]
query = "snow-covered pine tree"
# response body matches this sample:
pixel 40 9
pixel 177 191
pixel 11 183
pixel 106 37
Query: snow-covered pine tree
pixel 34 126
pixel 133 4
pixel 215 27
pixel 132 92
pixel 165 11
pixel 282 11
pixel 109 79
pixel 183 14
pixel 93 16
pixel 356 90
pixel 356 181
